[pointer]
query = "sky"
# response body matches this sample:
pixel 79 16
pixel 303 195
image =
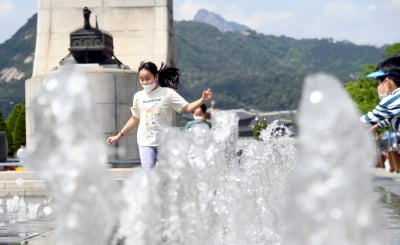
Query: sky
pixel 370 22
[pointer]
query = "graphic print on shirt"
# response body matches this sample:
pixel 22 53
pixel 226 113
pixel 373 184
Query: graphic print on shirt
pixel 149 116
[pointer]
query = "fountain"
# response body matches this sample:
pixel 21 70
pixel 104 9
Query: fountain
pixel 282 191
pixel 21 219
pixel 331 199
pixel 69 153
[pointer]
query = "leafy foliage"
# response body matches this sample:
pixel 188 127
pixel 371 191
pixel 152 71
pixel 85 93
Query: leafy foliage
pixel 258 127
pixel 392 50
pixel 364 93
pixel 12 121
pixel 19 132
pixel 3 127
pixel 12 118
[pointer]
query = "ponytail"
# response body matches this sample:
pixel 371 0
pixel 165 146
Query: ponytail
pixel 168 76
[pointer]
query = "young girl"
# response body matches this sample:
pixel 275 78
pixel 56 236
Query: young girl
pixel 199 118
pixel 153 108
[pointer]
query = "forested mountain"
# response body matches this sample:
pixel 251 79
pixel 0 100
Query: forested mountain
pixel 264 72
pixel 245 69
pixel 16 61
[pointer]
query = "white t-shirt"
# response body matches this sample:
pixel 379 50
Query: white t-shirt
pixel 154 110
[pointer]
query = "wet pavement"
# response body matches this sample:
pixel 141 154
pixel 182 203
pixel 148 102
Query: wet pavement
pixel 387 187
pixel 390 204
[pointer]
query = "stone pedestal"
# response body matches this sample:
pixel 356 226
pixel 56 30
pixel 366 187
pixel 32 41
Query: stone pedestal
pixel 113 91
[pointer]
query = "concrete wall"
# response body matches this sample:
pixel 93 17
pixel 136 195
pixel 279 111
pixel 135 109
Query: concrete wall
pixel 142 30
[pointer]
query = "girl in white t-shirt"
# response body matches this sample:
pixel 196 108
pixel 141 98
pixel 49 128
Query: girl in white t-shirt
pixel 154 106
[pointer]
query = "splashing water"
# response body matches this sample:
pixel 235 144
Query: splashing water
pixel 21 218
pixel 203 195
pixel 68 151
pixel 20 210
pixel 330 198
pixel 199 192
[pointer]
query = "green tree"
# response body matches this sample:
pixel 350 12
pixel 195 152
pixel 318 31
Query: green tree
pixel 364 93
pixel 12 118
pixel 258 127
pixel 11 122
pixel 19 132
pixel 3 127
pixel 392 50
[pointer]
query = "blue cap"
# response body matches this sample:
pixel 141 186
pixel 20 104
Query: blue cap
pixel 376 74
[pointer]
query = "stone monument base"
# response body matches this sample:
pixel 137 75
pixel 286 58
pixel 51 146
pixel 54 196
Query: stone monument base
pixel 113 91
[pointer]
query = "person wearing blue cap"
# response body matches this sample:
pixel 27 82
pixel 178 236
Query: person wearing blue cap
pixel 387 112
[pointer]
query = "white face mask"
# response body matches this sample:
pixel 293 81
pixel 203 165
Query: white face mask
pixel 148 87
pixel 198 118
pixel 381 95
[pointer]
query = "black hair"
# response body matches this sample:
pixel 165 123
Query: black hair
pixel 391 65
pixel 168 76
pixel 203 108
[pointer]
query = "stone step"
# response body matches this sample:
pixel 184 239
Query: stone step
pixel 31 175
pixel 24 184
pixel 14 175
pixel 27 184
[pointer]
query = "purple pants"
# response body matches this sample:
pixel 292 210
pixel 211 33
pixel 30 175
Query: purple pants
pixel 148 156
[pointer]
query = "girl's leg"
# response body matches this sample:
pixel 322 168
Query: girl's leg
pixel 148 155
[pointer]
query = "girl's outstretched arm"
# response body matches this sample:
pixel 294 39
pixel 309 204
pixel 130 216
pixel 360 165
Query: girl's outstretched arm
pixel 206 96
pixel 130 124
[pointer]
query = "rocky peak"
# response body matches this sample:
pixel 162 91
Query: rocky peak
pixel 218 21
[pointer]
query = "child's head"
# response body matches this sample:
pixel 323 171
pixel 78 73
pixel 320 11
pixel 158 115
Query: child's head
pixel 202 109
pixel 392 67
pixel 148 66
pixel 389 68
pixel 165 76
pixel 199 114
pixel 148 76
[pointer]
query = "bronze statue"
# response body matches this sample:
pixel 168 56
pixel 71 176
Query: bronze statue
pixel 91 45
